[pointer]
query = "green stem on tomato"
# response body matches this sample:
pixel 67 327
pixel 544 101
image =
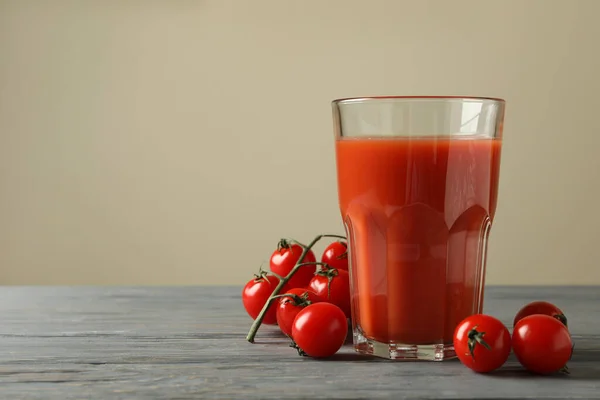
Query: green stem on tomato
pixel 258 321
pixel 322 264
pixel 300 351
pixel 475 338
pixel 302 301
pixel 294 241
pixel 276 275
pixel 297 299
pixel 329 273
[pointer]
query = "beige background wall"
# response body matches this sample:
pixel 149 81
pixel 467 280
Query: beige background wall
pixel 174 142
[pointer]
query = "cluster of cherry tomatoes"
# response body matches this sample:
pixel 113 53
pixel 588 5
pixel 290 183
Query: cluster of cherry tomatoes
pixel 310 302
pixel 313 306
pixel 540 340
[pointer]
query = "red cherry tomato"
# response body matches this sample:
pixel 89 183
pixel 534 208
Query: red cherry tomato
pixel 336 255
pixel 540 307
pixel 542 344
pixel 285 258
pixel 333 285
pixel 320 330
pixel 289 307
pixel 256 293
pixel 482 343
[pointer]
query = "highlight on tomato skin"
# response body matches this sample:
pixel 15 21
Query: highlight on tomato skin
pixel 333 286
pixel 320 330
pixel 256 293
pixel 336 255
pixel 540 307
pixel 285 257
pixel 482 343
pixel 290 304
pixel 542 344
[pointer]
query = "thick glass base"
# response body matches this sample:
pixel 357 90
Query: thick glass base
pixel 401 351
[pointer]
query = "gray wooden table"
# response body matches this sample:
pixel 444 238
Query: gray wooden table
pixel 185 343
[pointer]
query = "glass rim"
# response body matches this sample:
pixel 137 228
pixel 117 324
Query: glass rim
pixel 364 99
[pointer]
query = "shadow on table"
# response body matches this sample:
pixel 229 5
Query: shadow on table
pixel 581 372
pixel 585 366
pixel 587 355
pixel 353 357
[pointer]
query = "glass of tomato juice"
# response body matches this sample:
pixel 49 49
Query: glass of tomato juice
pixel 417 184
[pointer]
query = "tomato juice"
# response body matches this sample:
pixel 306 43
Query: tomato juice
pixel 417 211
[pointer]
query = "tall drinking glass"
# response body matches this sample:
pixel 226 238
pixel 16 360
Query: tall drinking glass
pixel 417 185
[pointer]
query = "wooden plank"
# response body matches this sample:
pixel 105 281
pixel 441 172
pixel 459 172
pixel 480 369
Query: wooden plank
pixel 184 343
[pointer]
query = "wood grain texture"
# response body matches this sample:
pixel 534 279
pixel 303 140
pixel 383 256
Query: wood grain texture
pixel 188 343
